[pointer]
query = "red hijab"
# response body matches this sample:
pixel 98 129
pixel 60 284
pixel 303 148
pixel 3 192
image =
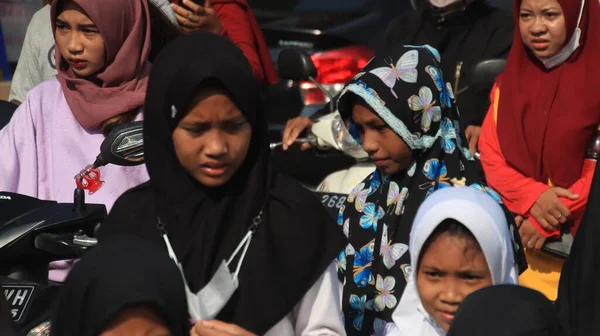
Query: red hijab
pixel 121 85
pixel 546 118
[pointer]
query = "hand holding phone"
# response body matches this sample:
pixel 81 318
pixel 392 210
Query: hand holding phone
pixel 195 17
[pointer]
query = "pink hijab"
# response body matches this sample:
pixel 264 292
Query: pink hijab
pixel 121 85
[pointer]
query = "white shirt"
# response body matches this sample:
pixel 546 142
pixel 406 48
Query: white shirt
pixel 318 313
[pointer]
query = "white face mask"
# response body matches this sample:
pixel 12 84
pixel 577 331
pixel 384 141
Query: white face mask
pixel 442 3
pixel 210 300
pixel 569 49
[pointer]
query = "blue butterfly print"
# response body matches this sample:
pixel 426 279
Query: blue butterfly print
pixel 487 190
pixel 340 217
pixel 362 265
pixel 354 132
pixel 360 304
pixel 447 136
pixel 434 52
pixel 375 182
pixel 446 93
pixel 436 171
pixel 372 215
pixel 340 262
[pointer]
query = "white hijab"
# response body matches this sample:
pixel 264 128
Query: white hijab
pixel 478 212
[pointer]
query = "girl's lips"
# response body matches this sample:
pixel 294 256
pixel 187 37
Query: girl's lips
pixel 78 64
pixel 380 162
pixel 447 316
pixel 214 170
pixel 540 44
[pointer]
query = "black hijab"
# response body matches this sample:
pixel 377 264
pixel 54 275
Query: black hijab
pixel 120 273
pixel 297 239
pixel 579 291
pixel 416 103
pixel 506 310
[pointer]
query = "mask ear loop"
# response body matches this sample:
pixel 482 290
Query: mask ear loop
pixel 569 48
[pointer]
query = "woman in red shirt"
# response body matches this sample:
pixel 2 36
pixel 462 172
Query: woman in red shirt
pixel 234 20
pixel 545 111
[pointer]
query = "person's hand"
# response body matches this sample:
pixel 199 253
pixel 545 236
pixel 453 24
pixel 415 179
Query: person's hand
pixel 532 239
pixel 472 134
pixel 519 220
pixel 549 210
pixel 197 18
pixel 292 130
pixel 218 328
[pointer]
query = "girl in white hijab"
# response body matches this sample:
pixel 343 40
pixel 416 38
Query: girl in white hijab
pixel 459 242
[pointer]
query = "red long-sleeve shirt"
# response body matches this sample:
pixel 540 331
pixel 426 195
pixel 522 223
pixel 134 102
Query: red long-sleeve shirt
pixel 238 29
pixel 518 191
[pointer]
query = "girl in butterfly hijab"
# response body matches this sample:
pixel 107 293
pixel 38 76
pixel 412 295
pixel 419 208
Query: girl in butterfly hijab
pixel 122 287
pixel 404 118
pixel 218 207
pixel 459 242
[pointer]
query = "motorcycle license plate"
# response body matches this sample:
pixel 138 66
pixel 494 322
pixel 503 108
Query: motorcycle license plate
pixel 332 201
pixel 18 297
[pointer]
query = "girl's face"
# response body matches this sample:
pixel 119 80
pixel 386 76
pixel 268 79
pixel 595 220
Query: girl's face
pixel 542 26
pixel 79 41
pixel 139 321
pixel 212 140
pixel 385 148
pixel 451 268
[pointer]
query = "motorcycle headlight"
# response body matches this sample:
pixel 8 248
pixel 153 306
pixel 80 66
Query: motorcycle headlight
pixel 41 330
pixel 344 141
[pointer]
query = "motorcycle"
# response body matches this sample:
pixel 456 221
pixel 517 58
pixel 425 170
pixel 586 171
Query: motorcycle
pixel 35 232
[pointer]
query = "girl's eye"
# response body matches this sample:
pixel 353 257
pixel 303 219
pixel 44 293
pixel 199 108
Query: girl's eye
pixel 382 128
pixel 61 27
pixel 196 130
pixel 234 127
pixel 471 277
pixel 525 15
pixel 433 275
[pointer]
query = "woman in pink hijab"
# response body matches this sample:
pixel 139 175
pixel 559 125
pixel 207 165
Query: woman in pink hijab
pixel 102 50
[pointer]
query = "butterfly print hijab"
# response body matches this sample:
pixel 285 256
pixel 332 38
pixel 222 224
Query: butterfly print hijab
pixel 406 89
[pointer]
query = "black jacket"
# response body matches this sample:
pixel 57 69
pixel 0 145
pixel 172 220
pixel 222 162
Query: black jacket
pixel 479 32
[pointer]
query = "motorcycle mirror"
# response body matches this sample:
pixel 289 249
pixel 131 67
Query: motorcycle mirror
pixel 295 64
pixel 124 146
pixel 485 73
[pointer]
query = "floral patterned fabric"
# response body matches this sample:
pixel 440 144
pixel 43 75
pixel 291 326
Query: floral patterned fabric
pixel 405 88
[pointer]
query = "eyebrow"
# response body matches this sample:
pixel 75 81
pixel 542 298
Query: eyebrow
pixel 239 119
pixel 80 26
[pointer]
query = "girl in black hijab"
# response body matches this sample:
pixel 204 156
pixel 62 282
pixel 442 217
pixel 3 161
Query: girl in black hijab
pixel 578 290
pixel 121 286
pixel 506 310
pixel 212 188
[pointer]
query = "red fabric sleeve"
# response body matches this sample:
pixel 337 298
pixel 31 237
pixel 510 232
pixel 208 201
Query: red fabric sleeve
pixel 518 192
pixel 238 29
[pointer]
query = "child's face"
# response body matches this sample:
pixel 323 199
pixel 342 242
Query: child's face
pixel 451 268
pixel 385 148
pixel 212 140
pixel 79 40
